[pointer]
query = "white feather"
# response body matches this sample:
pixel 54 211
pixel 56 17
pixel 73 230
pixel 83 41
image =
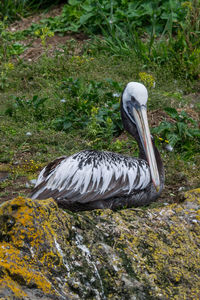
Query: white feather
pixel 103 174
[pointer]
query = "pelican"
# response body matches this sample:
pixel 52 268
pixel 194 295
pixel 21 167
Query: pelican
pixel 98 180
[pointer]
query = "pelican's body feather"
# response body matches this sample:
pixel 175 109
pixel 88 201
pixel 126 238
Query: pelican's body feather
pixel 92 175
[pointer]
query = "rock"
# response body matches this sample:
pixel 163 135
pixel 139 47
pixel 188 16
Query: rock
pixel 48 253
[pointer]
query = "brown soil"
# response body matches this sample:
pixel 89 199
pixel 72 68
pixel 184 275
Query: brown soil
pixel 10 189
pixel 53 44
pixel 155 117
pixel 34 46
pixel 25 23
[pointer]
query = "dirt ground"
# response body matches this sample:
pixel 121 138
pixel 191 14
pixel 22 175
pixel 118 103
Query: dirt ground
pixel 35 48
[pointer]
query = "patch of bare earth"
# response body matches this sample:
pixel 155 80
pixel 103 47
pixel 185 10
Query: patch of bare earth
pixel 157 116
pixel 52 44
pixel 25 23
pixel 10 189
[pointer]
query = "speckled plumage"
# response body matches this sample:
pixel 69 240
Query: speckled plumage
pixel 92 175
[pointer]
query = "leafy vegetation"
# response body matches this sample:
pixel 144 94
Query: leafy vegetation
pixel 12 9
pixel 158 32
pixel 88 106
pixel 21 109
pixel 182 132
pixel 164 33
pixel 16 9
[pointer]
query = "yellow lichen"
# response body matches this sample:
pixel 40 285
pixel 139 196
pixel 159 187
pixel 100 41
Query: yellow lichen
pixel 25 231
pixel 7 283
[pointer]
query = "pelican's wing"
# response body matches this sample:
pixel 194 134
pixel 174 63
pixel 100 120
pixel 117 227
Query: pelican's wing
pixel 90 176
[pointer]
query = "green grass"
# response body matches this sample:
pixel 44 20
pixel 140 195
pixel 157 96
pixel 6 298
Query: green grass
pixel 161 33
pixel 17 9
pixel 49 79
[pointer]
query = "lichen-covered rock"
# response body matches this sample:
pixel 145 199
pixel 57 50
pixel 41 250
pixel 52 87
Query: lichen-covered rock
pixel 47 253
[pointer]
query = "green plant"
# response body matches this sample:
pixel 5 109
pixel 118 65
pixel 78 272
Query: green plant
pixel 94 16
pixel 9 48
pixel 77 106
pixel 104 124
pixel 182 133
pixel 21 108
pixel 182 51
pixel 75 111
pixel 5 69
pixel 43 33
pixel 13 9
pixel 99 133
pixel 81 98
pixel 16 9
pixel 157 32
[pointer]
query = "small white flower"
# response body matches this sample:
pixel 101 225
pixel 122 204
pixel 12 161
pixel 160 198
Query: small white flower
pixel 28 133
pixel 169 148
pixel 33 181
pixel 63 101
pixel 182 188
pixel 194 221
pixel 116 95
pixel 110 21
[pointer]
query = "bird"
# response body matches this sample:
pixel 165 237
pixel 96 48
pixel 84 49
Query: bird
pixel 92 179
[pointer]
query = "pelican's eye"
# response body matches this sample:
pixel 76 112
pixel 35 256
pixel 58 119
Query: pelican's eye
pixel 133 99
pixel 134 102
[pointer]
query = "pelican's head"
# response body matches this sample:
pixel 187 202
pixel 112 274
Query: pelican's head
pixel 134 100
pixel 137 91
